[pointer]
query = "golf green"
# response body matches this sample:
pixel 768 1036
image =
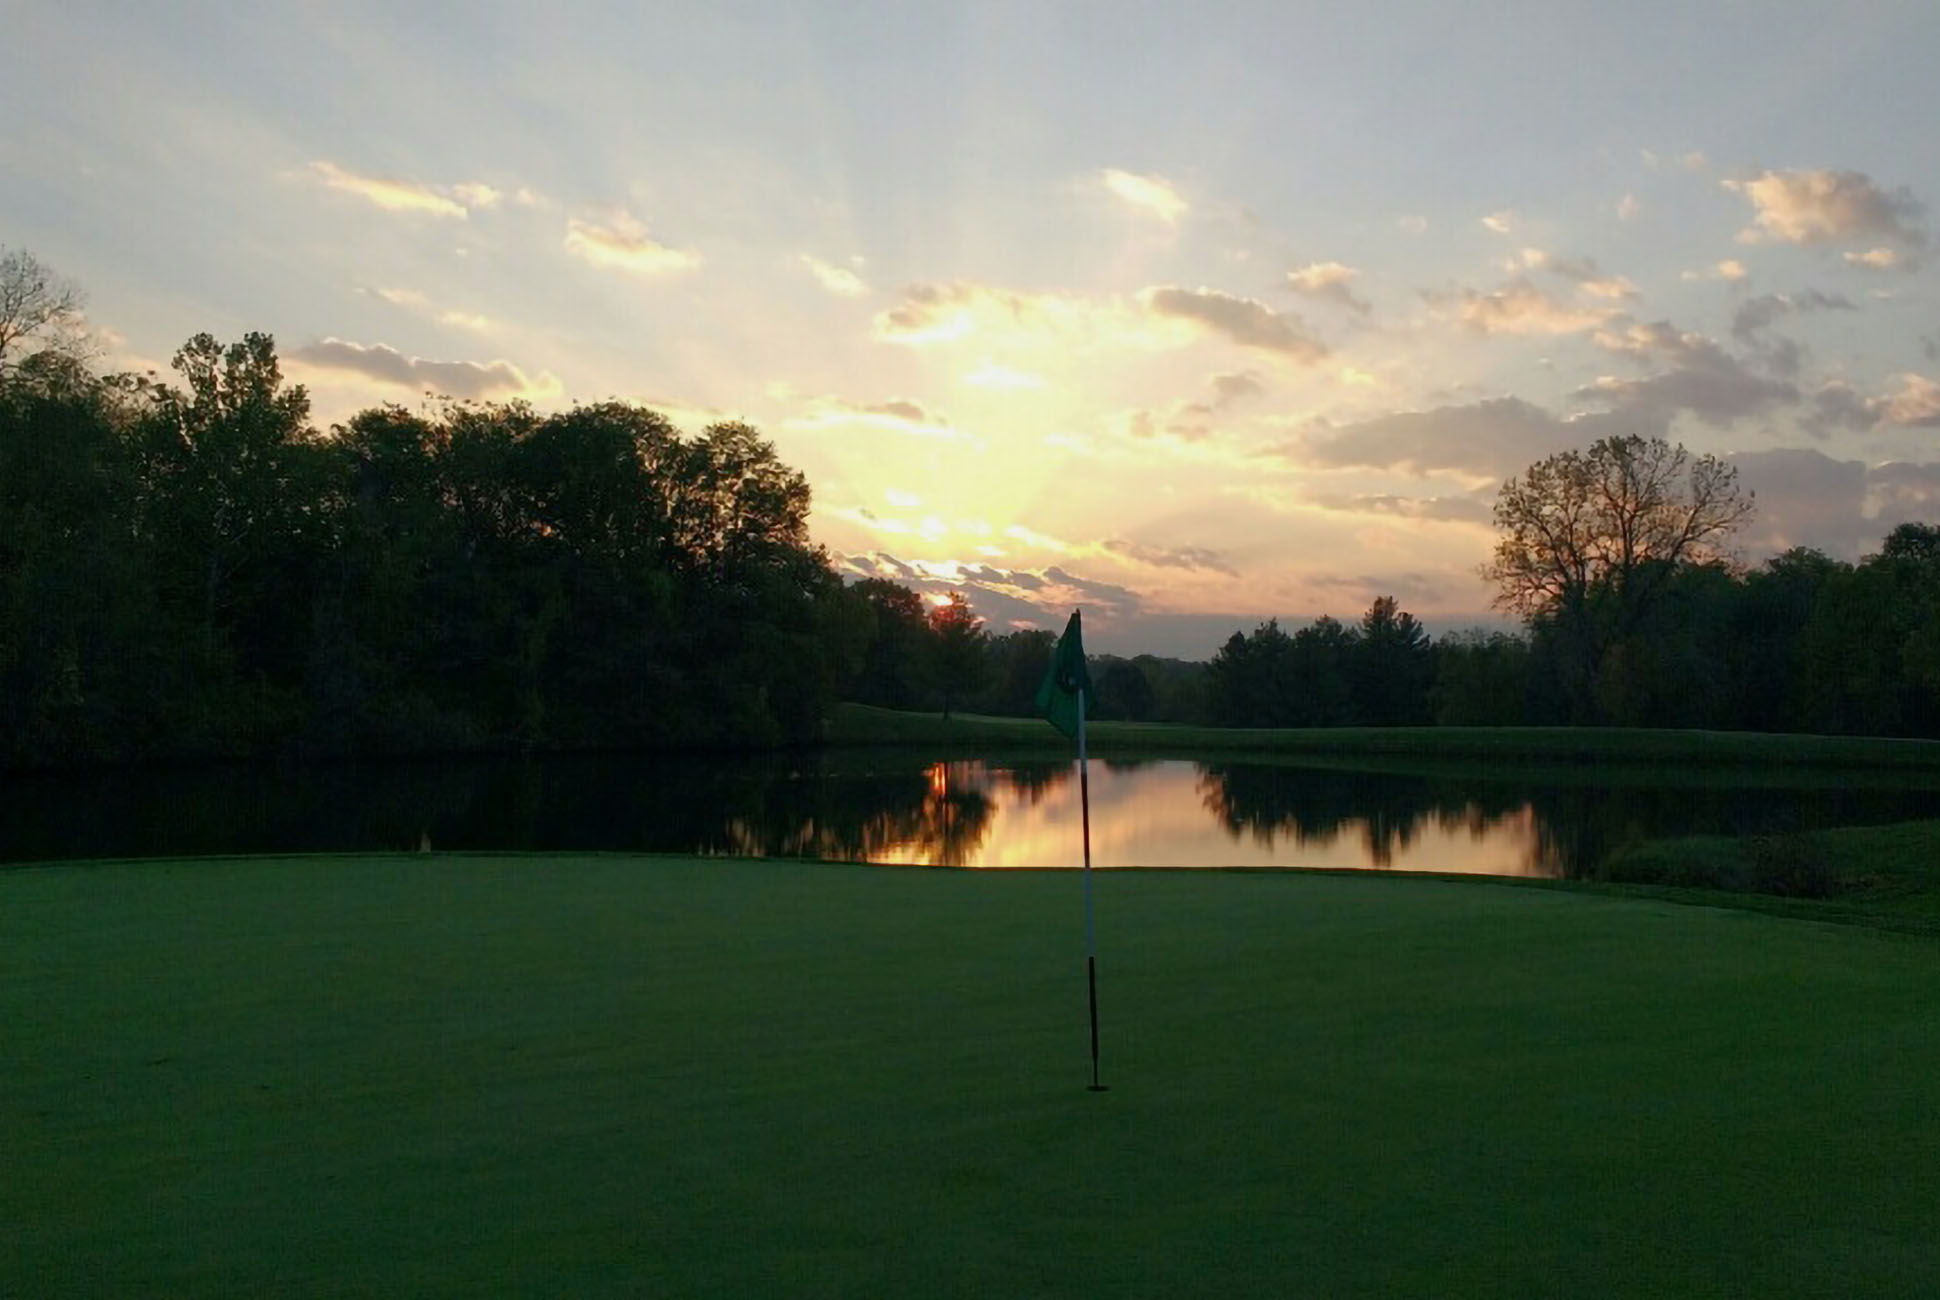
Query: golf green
pixel 450 1075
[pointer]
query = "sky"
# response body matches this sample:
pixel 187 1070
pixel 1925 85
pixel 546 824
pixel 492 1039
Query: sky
pixel 1189 315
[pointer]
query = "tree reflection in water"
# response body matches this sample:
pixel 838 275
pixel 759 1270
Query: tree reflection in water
pixel 897 806
pixel 1317 806
pixel 937 816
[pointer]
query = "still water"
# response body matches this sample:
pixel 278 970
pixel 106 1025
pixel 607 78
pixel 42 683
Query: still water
pixel 902 807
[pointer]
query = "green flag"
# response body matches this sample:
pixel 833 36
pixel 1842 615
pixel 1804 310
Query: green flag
pixel 1057 698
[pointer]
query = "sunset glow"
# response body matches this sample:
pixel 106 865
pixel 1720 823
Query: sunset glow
pixel 1256 332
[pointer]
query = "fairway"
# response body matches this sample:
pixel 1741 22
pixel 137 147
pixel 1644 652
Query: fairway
pixel 450 1075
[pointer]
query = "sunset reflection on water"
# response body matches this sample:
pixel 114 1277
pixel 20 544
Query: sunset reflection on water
pixel 1182 814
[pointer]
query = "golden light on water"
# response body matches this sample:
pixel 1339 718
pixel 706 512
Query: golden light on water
pixel 1177 814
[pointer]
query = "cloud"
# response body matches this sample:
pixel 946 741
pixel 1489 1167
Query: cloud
pixel 1042 541
pixel 623 244
pixel 937 313
pixel 990 575
pixel 1837 407
pixel 391 195
pixel 476 194
pixel 1843 507
pixel 1487 439
pixel 1657 340
pixel 1881 259
pixel 1411 225
pixel 838 280
pixel 1235 386
pixel 1720 393
pixel 1519 307
pixel 1819 207
pixel 1781 356
pixel 1730 270
pixel 1627 207
pixel 1152 195
pixel 414 300
pixel 386 365
pixel 1702 378
pixel 1088 591
pixel 1501 222
pixel 1032 597
pixel 1916 405
pixel 1411 588
pixel 1901 491
pixel 877 564
pixel 1804 498
pixel 1160 317
pixel 1189 422
pixel 1171 557
pixel 1754 314
pixel 1246 322
pixel 1583 271
pixel 1464 509
pixel 897 415
pixel 1328 281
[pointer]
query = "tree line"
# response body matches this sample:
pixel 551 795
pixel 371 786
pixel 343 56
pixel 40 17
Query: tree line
pixel 189 568
pixel 192 569
pixel 1634 613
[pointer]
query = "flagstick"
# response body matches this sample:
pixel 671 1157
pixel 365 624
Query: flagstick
pixel 1091 932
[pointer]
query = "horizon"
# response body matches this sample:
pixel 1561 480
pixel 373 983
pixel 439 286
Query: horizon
pixel 1196 325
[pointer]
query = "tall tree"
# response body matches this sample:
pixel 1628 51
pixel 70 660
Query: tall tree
pixel 962 649
pixel 1247 677
pixel 1018 662
pixel 36 304
pixel 1392 667
pixel 75 613
pixel 1590 540
pixel 1271 679
pixel 238 499
pixel 897 658
pixel 1125 692
pixel 1485 677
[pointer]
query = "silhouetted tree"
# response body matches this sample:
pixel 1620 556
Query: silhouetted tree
pixel 1392 667
pixel 1914 542
pixel 1246 678
pixel 898 660
pixel 1485 678
pixel 1178 689
pixel 1018 663
pixel 1764 647
pixel 37 305
pixel 962 649
pixel 1590 539
pixel 1124 692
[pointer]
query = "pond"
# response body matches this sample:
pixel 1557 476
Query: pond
pixel 907 808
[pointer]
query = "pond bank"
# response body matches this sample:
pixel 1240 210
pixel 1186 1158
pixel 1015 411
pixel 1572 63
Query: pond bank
pixel 857 724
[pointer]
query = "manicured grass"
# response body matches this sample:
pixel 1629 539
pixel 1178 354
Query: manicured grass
pixel 857 724
pixel 612 1075
pixel 1871 875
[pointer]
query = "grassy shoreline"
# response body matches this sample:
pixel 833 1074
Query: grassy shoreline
pixel 857 724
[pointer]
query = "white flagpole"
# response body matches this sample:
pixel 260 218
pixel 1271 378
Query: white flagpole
pixel 1091 931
